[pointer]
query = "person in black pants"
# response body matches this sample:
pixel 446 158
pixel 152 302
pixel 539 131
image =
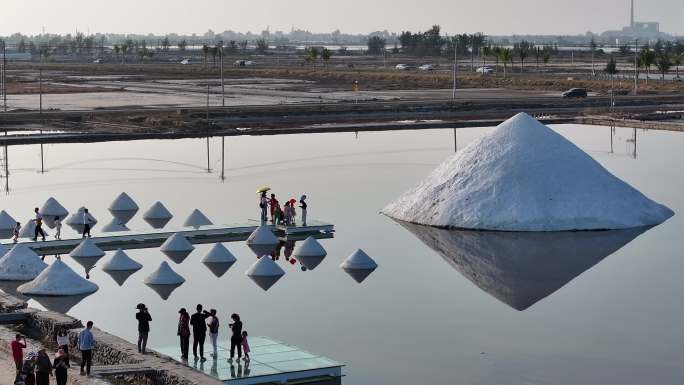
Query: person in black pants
pixel 144 318
pixel 86 223
pixel 199 331
pixel 39 226
pixel 236 337
pixel 61 366
pixel 184 332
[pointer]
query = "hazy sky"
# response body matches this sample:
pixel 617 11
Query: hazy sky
pixel 355 16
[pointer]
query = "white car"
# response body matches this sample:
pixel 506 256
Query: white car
pixel 485 70
pixel 426 67
pixel 185 61
pixel 403 67
pixel 97 61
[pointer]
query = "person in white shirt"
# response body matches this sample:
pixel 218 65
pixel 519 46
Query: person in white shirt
pixel 86 223
pixel 58 227
pixel 63 343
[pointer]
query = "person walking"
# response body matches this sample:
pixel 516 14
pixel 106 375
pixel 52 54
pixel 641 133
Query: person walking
pixel 303 206
pixel 28 369
pixel 58 228
pixel 199 331
pixel 143 316
pixel 43 368
pixel 61 366
pixel 236 337
pixel 63 343
pixel 17 229
pixel 39 226
pixel 18 346
pixel 245 345
pixel 213 332
pixel 263 205
pixel 86 343
pixel 273 205
pixel 184 332
pixel 86 223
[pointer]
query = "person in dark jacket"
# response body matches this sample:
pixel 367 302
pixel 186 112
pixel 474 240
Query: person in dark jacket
pixel 43 368
pixel 184 332
pixel 199 331
pixel 236 337
pixel 61 365
pixel 28 369
pixel 143 316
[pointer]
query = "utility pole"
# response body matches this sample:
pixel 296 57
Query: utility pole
pixel 40 92
pixel 453 92
pixel 223 158
pixel 636 66
pixel 223 88
pixel 4 78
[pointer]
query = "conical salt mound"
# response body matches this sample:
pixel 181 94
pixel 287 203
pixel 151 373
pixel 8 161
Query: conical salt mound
pixel 262 241
pixel 123 208
pixel 265 272
pixel 87 249
pixel 177 247
pixel 197 219
pixel 77 220
pixel 164 275
pixel 52 209
pixel 525 177
pixel 310 253
pixel 20 264
pixel 58 279
pixel 157 215
pixel 359 260
pixel 219 254
pixel 7 224
pixel 120 261
pixel 114 226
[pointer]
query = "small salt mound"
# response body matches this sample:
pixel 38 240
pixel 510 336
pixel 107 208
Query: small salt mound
pixel 157 215
pixel 114 226
pixel 164 275
pixel 359 265
pixel 123 208
pixel 265 272
pixel 7 224
pixel 77 222
pixel 262 241
pixel 87 249
pixel 197 219
pixel 52 209
pixel 177 247
pixel 219 254
pixel 28 230
pixel 120 261
pixel 310 253
pixel 20 264
pixel 525 177
pixel 58 279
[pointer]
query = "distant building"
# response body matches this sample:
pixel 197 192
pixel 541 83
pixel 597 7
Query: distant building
pixel 649 30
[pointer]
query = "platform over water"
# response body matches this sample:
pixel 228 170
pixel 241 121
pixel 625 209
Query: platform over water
pixel 272 362
pixel 155 237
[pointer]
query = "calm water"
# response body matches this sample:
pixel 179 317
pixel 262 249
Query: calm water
pixel 443 307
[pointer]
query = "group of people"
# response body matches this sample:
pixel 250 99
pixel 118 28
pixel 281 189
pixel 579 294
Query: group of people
pixel 36 367
pixel 285 215
pixel 38 229
pixel 203 320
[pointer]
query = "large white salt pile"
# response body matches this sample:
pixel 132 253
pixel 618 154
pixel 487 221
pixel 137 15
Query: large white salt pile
pixel 77 222
pixel 177 247
pixel 157 215
pixel 525 177
pixel 123 208
pixel 265 272
pixel 359 265
pixel 58 279
pixel 262 241
pixel 52 209
pixel 7 224
pixel 197 219
pixel 87 249
pixel 219 259
pixel 120 261
pixel 20 264
pixel 310 253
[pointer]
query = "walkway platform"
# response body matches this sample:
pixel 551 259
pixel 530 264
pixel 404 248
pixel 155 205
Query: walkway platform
pixel 272 362
pixel 155 237
pixel 122 369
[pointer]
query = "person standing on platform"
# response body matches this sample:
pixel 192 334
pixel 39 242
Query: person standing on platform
pixel 86 223
pixel 28 369
pixel 236 337
pixel 273 205
pixel 303 206
pixel 39 226
pixel 43 368
pixel 199 331
pixel 63 343
pixel 61 366
pixel 263 205
pixel 184 332
pixel 143 316
pixel 213 332
pixel 17 229
pixel 58 228
pixel 18 346
pixel 86 343
pixel 245 345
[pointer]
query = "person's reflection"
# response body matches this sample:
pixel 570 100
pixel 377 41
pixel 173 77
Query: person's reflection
pixel 275 254
pixel 232 370
pixel 246 371
pixel 289 248
pixel 214 367
pixel 239 370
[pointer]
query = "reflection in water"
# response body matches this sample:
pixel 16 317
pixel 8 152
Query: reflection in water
pixel 218 269
pixel 88 263
pixel 164 291
pixel 517 268
pixel 61 304
pixel 120 276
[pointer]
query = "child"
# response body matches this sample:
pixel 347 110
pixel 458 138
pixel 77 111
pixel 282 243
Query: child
pixel 245 345
pixel 303 205
pixel 17 229
pixel 58 228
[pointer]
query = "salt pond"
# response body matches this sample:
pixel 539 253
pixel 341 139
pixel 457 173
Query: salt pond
pixel 422 316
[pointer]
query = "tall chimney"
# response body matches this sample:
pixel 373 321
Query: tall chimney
pixel 631 19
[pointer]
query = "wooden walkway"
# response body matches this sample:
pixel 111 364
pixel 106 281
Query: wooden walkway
pixel 205 234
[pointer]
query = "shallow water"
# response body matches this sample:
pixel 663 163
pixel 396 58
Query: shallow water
pixel 442 308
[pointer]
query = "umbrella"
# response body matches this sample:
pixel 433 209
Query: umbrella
pixel 263 189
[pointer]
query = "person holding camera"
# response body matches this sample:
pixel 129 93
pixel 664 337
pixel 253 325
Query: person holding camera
pixel 143 316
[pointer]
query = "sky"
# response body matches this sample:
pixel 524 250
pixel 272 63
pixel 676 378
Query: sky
pixel 495 17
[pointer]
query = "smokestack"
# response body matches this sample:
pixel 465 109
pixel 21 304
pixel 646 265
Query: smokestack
pixel 631 19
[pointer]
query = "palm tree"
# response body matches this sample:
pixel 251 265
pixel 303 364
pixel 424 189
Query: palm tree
pixel 677 59
pixel 312 56
pixel 611 69
pixel 646 60
pixel 486 51
pixel 592 46
pixel 124 50
pixel 505 56
pixel 663 63
pixel 325 55
pixel 117 50
pixel 205 50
